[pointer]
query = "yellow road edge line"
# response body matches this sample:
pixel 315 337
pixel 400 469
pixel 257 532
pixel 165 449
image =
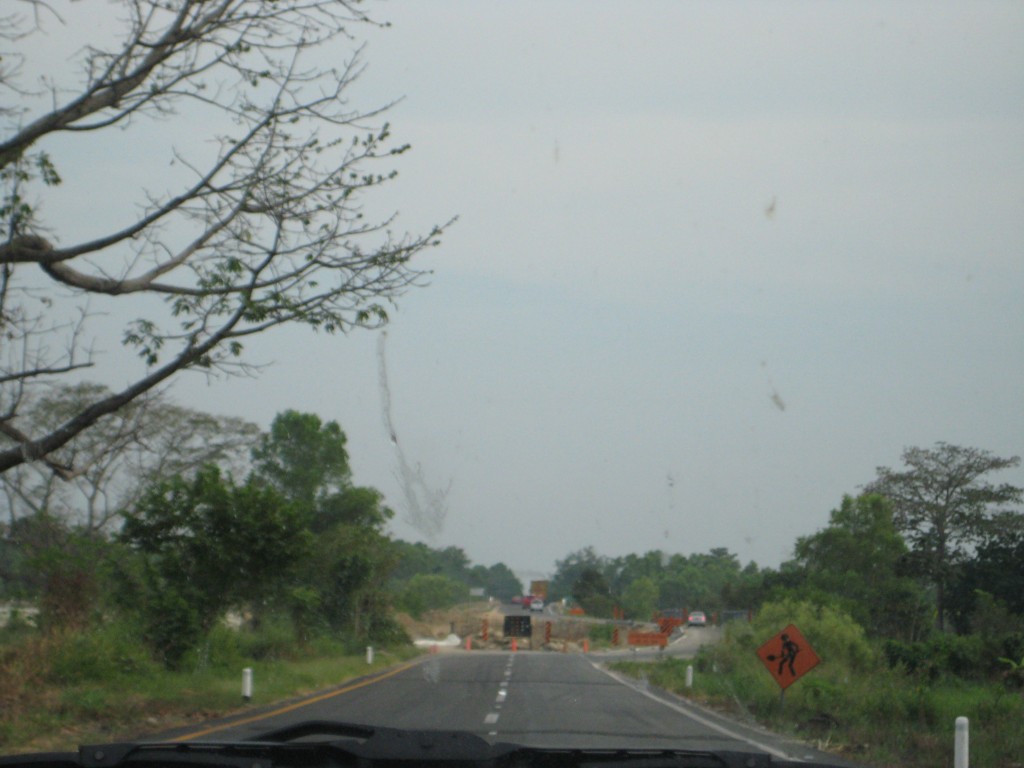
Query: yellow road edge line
pixel 296 705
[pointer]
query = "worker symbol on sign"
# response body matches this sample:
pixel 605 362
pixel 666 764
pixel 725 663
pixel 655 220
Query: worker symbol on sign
pixel 787 656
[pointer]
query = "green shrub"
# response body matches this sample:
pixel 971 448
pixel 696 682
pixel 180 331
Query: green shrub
pixel 102 653
pixel 969 657
pixel 384 629
pixel 899 718
pixel 430 591
pixel 835 636
pixel 220 649
pixel 913 658
pixel 275 639
pixel 603 633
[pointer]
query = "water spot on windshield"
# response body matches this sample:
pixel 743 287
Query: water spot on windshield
pixel 425 507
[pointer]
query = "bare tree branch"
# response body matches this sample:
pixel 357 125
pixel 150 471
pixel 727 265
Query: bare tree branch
pixel 266 230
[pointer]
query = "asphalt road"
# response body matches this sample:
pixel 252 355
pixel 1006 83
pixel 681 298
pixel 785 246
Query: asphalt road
pixel 533 698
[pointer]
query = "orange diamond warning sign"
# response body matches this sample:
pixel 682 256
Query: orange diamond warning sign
pixel 788 656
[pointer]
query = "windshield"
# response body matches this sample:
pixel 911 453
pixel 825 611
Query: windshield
pixel 570 374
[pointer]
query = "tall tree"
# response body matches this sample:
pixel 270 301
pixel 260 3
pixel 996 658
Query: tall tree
pixel 257 224
pixel 591 590
pixel 304 458
pixel 699 580
pixel 502 583
pixel 859 561
pixel 640 598
pixel 206 544
pixel 343 582
pixel 569 570
pixel 148 440
pixel 349 569
pixel 996 568
pixel 942 500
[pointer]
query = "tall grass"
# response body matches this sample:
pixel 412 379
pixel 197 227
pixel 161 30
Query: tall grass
pixel 874 714
pixel 58 691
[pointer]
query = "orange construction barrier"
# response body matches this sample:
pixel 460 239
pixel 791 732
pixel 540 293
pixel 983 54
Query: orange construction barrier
pixel 648 638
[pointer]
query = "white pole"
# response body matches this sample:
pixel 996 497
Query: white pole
pixel 689 675
pixel 369 654
pixel 247 684
pixel 961 743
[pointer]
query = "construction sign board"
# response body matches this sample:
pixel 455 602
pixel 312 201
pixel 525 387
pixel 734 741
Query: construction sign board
pixel 788 656
pixel 647 638
pixel 518 626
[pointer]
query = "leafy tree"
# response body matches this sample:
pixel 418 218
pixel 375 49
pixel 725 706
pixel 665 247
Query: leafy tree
pixel 306 460
pixel 569 570
pixel 303 458
pixel 204 545
pixel 349 569
pixel 857 560
pixel 413 558
pixel 942 502
pixel 626 570
pixel 996 570
pixel 501 583
pixel 700 580
pixel 357 506
pixel 45 559
pixel 343 582
pixel 592 592
pixel 416 558
pixel 259 225
pixel 430 591
pixel 452 562
pixel 747 590
pixel 25 538
pixel 640 598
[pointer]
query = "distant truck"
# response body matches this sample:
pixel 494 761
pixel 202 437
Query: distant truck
pixel 539 589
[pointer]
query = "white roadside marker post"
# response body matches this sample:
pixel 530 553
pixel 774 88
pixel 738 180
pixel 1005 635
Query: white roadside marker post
pixel 247 684
pixel 961 743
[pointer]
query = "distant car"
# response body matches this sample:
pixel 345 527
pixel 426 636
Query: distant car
pixel 697 619
pixel 536 604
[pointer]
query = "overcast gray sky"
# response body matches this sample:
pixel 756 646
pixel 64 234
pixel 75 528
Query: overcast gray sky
pixel 714 263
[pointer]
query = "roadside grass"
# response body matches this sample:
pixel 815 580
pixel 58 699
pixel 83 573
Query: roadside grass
pixel 881 717
pixel 61 691
pixel 601 635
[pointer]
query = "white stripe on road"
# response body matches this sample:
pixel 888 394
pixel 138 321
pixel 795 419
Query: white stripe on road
pixel 491 719
pixel 702 720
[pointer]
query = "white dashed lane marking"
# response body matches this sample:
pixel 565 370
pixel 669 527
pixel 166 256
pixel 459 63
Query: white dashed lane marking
pixel 492 717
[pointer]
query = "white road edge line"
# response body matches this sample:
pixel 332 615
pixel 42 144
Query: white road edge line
pixel 702 720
